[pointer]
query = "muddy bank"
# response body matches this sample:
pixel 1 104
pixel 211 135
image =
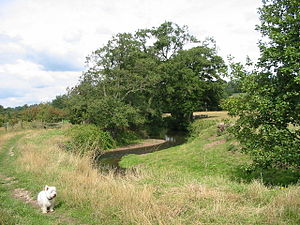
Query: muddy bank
pixel 112 157
pixel 144 143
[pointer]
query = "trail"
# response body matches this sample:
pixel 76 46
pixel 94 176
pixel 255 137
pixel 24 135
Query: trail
pixel 12 185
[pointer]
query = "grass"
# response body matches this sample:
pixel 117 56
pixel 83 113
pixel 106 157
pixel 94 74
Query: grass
pixel 13 211
pixel 196 183
pixel 207 161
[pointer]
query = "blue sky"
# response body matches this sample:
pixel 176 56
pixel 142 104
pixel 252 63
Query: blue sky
pixel 43 44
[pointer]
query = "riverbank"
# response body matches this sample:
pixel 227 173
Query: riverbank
pixel 144 143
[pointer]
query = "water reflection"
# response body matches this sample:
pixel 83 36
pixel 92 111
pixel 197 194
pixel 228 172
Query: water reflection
pixel 170 138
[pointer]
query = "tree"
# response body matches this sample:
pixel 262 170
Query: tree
pixel 190 78
pixel 31 113
pixel 134 78
pixel 115 91
pixel 42 112
pixel 269 110
pixel 165 41
pixel 192 82
pixel 60 102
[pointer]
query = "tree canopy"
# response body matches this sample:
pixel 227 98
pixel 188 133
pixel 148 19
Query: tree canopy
pixel 269 111
pixel 134 78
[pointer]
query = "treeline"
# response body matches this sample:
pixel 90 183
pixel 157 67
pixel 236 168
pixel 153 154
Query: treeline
pixel 44 112
pixel 137 77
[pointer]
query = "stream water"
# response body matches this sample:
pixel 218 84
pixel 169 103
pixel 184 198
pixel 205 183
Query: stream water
pixel 111 159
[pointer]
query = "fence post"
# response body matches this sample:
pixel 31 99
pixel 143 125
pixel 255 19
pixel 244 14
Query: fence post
pixel 6 126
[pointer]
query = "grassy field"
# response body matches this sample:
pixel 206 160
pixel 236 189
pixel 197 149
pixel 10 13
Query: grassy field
pixel 200 182
pixel 213 115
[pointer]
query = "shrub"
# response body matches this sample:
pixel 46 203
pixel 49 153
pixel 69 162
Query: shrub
pixel 89 139
pixel 126 137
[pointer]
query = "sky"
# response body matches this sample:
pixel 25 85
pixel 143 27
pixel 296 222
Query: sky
pixel 44 43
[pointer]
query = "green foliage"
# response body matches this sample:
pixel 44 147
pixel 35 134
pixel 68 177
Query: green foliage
pixel 60 102
pixel 2 120
pixel 41 112
pixel 114 91
pixel 204 155
pixel 165 41
pixel 10 115
pixel 120 114
pixel 89 139
pixel 192 82
pixel 268 124
pixel 134 78
pixel 126 137
pixel 270 177
pixel 232 88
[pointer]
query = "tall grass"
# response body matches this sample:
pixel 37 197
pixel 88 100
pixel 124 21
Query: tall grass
pixel 5 217
pixel 110 198
pixel 146 197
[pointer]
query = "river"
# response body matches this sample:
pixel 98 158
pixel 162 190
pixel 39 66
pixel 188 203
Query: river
pixel 111 159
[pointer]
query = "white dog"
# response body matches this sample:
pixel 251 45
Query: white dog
pixel 46 200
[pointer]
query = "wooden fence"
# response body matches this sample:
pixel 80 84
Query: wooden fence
pixel 31 125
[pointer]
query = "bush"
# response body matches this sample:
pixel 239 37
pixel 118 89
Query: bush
pixel 89 139
pixel 126 137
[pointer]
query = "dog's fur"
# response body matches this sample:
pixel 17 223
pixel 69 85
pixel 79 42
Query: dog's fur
pixel 46 199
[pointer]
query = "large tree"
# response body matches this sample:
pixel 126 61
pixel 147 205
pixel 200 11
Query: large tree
pixel 134 78
pixel 268 124
pixel 192 82
pixel 116 90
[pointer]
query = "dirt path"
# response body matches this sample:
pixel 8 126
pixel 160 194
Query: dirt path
pixel 21 194
pixel 17 193
pixel 25 196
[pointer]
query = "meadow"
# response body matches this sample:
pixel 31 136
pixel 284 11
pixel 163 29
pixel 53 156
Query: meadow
pixel 200 182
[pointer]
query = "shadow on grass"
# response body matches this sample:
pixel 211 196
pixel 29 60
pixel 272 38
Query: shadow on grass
pixel 270 177
pixel 58 204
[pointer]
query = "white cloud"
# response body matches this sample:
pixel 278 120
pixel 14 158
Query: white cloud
pixel 26 83
pixel 44 40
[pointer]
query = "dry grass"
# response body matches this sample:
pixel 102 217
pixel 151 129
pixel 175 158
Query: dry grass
pixel 80 185
pixel 6 136
pixel 213 115
pixel 129 199
pixel 285 205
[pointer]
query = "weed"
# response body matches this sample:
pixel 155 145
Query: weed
pixel 89 139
